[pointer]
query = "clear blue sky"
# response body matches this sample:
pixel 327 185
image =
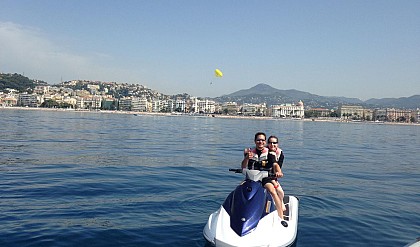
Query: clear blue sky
pixel 361 49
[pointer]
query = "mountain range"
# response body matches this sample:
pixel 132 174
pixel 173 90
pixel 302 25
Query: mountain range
pixel 272 96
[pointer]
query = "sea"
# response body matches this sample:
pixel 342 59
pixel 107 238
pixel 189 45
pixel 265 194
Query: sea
pixel 72 178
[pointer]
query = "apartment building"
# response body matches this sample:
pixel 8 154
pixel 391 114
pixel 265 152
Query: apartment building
pixel 288 110
pixel 350 111
pixel 254 109
pixel 230 108
pixel 203 106
pixel 29 100
pixel 398 115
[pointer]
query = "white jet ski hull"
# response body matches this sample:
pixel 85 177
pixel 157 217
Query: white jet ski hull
pixel 269 231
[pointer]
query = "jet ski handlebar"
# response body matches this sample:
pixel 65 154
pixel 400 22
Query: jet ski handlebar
pixel 240 170
pixel 235 170
pixel 243 171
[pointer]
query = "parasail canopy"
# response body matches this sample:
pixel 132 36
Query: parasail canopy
pixel 218 73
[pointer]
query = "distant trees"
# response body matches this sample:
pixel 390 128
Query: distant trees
pixel 316 114
pixel 334 114
pixel 311 114
pixel 50 104
pixel 54 104
pixel 347 115
pixel 18 82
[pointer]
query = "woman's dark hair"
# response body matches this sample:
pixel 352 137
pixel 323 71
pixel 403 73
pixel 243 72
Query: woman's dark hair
pixel 277 139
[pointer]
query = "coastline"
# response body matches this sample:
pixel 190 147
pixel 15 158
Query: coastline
pixel 335 120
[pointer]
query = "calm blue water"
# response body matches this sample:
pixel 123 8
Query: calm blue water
pixel 98 179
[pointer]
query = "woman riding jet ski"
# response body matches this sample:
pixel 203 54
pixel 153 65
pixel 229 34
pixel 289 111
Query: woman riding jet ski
pixel 248 217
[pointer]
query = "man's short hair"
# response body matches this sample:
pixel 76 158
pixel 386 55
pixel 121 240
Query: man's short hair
pixel 259 133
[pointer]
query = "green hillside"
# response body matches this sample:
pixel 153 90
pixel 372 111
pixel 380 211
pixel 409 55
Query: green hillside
pixel 18 82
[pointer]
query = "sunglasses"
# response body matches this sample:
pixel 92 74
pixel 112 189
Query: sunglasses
pixel 260 140
pixel 272 142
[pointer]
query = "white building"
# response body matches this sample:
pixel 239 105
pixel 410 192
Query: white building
pixel 350 111
pixel 139 104
pixel 203 106
pixel 416 114
pixel 42 89
pixel 156 105
pixel 288 110
pixel 254 109
pixel 180 105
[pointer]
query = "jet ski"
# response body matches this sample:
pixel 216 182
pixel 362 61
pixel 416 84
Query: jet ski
pixel 415 243
pixel 248 216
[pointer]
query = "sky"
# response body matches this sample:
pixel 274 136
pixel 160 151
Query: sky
pixel 357 49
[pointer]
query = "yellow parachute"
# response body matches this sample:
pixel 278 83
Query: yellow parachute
pixel 218 73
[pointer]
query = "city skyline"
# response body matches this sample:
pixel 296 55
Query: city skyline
pixel 353 49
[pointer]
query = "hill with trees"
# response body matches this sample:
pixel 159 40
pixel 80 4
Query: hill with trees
pixel 18 82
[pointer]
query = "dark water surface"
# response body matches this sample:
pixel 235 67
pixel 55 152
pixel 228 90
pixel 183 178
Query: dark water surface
pixel 99 179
